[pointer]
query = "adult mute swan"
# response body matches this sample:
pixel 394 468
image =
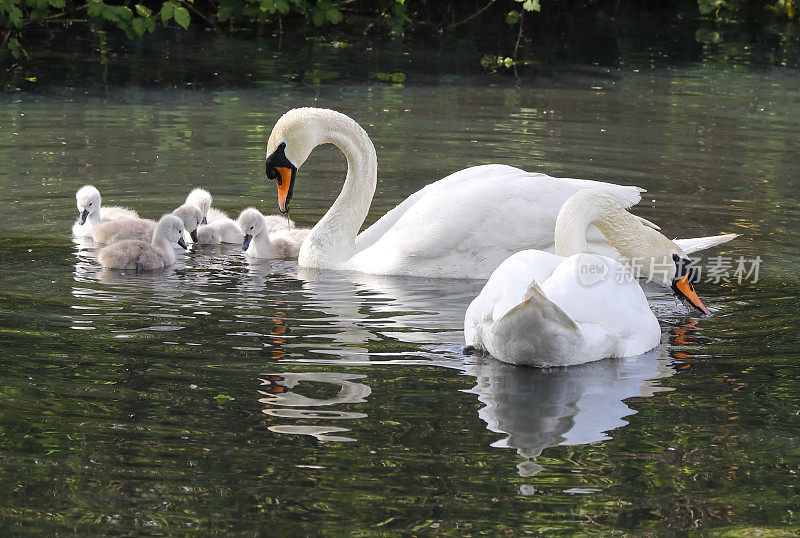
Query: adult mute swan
pixel 142 255
pixel 91 212
pixel 259 242
pixel 542 309
pixel 461 226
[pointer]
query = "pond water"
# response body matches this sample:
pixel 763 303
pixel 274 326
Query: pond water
pixel 229 395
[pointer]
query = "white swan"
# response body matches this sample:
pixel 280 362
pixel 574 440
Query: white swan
pixel 91 212
pixel 542 309
pixel 260 243
pixel 142 229
pixel 142 255
pixel 219 231
pixel 203 199
pixel 462 226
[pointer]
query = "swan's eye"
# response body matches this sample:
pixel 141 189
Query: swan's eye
pixel 251 227
pixel 90 203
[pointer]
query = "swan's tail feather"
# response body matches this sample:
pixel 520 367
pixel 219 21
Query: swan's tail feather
pixel 648 223
pixel 696 244
pixel 550 333
pixel 626 196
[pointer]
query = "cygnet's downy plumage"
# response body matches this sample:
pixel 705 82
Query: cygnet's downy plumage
pixel 203 199
pixel 142 229
pixel 90 212
pixel 260 243
pixel 220 231
pixel 141 255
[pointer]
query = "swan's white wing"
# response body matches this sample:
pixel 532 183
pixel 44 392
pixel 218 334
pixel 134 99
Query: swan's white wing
pixel 505 289
pixel 568 319
pixel 613 306
pixel 464 225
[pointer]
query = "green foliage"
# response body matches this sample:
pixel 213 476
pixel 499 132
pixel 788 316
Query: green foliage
pixel 387 16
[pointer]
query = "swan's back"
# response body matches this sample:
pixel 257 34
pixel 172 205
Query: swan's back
pixel 127 254
pixel 288 242
pixel 220 231
pixel 115 212
pixel 466 224
pixel 543 310
pixel 121 229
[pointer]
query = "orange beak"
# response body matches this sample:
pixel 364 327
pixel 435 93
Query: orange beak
pixel 283 181
pixel 685 287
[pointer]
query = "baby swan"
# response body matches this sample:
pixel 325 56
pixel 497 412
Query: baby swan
pixel 91 213
pixel 143 256
pixel 203 199
pixel 143 229
pixel 219 231
pixel 259 242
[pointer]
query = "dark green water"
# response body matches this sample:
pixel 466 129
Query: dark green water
pixel 352 410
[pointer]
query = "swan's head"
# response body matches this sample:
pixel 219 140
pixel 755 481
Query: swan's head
pixel 251 221
pixel 170 227
pixel 88 198
pixel 295 134
pixel 202 199
pixel 191 216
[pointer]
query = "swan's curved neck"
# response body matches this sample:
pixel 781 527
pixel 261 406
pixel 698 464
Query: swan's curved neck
pixel 166 249
pixel 620 228
pixel 261 246
pixel 333 238
pixel 94 217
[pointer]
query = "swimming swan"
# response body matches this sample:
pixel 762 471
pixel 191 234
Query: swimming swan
pixel 461 226
pixel 260 243
pixel 91 212
pixel 542 309
pixel 219 231
pixel 141 255
pixel 142 229
pixel 203 199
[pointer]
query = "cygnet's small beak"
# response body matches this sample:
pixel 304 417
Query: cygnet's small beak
pixel 204 221
pixel 246 243
pixel 182 243
pixel 193 235
pixel 84 214
pixel 684 290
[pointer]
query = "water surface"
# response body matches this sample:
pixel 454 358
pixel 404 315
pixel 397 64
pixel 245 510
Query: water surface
pixel 351 407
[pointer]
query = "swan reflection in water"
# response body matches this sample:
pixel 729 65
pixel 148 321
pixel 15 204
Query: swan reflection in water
pixel 277 391
pixel 533 409
pixel 539 408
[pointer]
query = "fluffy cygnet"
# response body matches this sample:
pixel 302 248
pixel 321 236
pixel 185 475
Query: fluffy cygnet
pixel 142 229
pixel 203 199
pixel 192 217
pixel 220 231
pixel 141 255
pixel 260 243
pixel 119 230
pixel 275 223
pixel 91 212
